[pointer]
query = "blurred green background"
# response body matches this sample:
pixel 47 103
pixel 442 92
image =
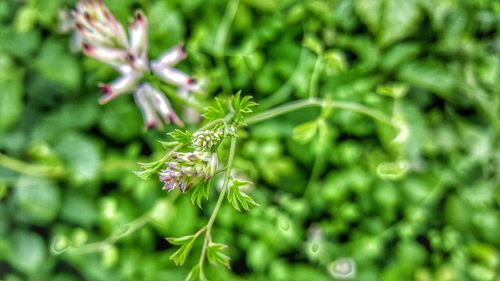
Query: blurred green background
pixel 67 176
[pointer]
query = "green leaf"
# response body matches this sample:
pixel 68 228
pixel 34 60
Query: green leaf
pixel 28 251
pixel 82 156
pixel 242 105
pixel 11 93
pixel 392 170
pixel 431 76
pixel 121 120
pixel 216 256
pixel 56 64
pixel 390 20
pixel 305 132
pixel 183 137
pixel 199 192
pixel 150 168
pixel 36 200
pixel 186 243
pixel 194 274
pixel 218 110
pixel 238 199
pixel 394 90
pixel 19 44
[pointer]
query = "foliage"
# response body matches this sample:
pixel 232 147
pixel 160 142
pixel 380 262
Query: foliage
pixel 331 183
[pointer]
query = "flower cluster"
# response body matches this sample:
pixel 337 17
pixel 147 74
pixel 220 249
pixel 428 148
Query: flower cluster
pixel 188 168
pixel 207 139
pixel 104 38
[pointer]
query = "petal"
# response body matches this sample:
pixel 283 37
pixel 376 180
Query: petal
pixel 141 97
pixel 164 108
pixel 172 75
pixel 138 30
pixel 172 56
pixel 120 86
pixel 109 56
pixel 96 17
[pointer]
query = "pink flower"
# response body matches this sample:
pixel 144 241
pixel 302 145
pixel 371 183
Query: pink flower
pixel 104 38
pixel 153 103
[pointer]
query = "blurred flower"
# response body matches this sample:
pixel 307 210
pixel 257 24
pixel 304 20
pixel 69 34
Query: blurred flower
pixel 103 38
pixel 186 169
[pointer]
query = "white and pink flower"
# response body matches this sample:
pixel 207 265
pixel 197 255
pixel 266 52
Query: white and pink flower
pixel 104 39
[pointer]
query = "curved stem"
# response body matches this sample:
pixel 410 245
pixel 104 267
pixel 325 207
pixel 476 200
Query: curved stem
pixel 211 221
pixel 113 238
pixel 313 85
pixel 220 42
pixel 31 169
pixel 311 102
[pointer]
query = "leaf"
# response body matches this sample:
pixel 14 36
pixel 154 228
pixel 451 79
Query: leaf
pixel 168 144
pixel 242 105
pixel 120 121
pixel 149 168
pixel 11 93
pixel 199 192
pixel 186 243
pixel 431 76
pixel 183 137
pixel 28 251
pixel 216 256
pixel 82 156
pixel 57 65
pixel 392 170
pixel 238 199
pixel 218 110
pixel 394 90
pixel 305 132
pixel 390 20
pixel 36 200
pixel 194 274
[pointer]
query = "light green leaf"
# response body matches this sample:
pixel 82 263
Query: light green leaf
pixel 216 256
pixel 238 199
pixel 392 170
pixel 199 192
pixel 305 132
pixel 186 243
pixel 394 90
pixel 194 274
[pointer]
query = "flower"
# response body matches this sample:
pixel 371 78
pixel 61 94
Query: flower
pixel 187 168
pixel 206 140
pixel 103 38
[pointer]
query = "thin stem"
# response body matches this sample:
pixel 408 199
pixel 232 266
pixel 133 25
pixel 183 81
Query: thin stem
pixel 300 104
pixel 114 237
pixel 206 241
pixel 286 89
pixel 31 169
pixel 220 42
pixel 313 84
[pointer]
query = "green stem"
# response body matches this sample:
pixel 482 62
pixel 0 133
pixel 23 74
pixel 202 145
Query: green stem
pixel 220 42
pixel 31 169
pixel 113 238
pixel 313 84
pixel 312 102
pixel 213 216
